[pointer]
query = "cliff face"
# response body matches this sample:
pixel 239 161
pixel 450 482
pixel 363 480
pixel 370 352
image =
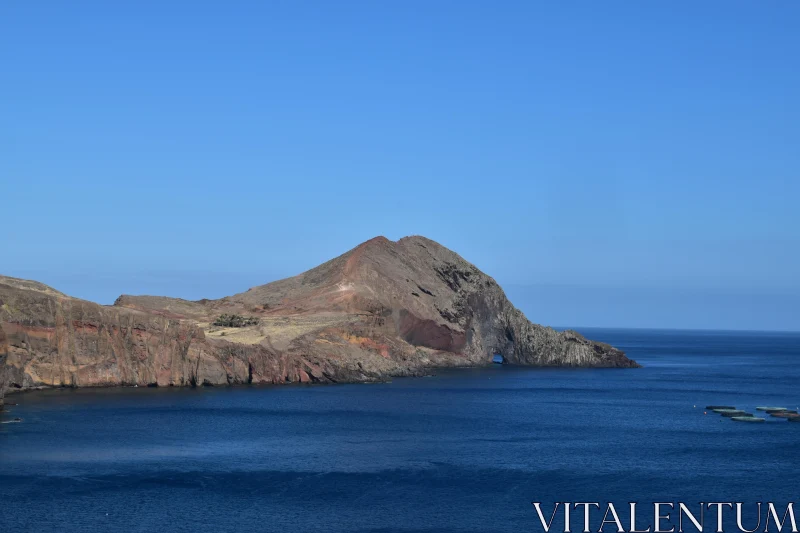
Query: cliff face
pixel 3 357
pixel 429 296
pixel 382 309
pixel 55 340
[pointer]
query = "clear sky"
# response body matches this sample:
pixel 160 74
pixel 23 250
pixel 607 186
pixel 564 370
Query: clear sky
pixel 610 163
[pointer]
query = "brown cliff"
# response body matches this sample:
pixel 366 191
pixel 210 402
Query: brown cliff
pixel 3 357
pixel 382 309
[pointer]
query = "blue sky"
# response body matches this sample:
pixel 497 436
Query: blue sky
pixel 610 163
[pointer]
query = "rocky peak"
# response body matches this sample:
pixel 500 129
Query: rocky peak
pixel 382 309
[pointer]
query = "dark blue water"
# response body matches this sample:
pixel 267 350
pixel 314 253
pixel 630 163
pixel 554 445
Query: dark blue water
pixel 463 451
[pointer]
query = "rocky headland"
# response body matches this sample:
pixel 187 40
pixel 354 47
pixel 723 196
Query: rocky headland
pixel 383 309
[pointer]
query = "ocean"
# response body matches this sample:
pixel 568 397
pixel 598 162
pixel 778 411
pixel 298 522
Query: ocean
pixel 463 451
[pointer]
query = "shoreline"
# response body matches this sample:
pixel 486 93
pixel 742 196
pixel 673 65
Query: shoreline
pixel 432 372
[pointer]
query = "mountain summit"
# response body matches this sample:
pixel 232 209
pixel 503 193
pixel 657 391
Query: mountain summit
pixel 382 309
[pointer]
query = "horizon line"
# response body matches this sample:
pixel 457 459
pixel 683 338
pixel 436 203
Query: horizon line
pixel 707 330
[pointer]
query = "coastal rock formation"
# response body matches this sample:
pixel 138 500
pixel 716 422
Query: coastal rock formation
pixel 3 357
pixel 382 309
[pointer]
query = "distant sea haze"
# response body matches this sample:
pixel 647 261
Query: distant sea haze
pixel 681 308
